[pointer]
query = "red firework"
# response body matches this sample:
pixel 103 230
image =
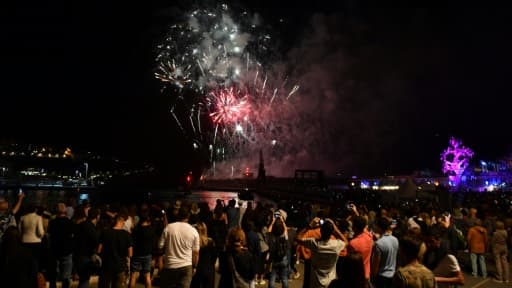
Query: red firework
pixel 229 105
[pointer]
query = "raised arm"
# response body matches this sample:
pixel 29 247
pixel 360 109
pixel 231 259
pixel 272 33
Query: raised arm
pixel 17 206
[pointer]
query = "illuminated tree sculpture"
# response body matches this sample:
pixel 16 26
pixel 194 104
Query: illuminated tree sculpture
pixel 455 160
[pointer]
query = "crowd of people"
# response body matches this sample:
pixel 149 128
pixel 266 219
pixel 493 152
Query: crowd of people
pixel 187 244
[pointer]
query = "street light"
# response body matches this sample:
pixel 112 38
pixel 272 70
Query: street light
pixel 86 170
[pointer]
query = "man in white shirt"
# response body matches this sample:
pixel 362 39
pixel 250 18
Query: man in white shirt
pixel 324 251
pixel 180 242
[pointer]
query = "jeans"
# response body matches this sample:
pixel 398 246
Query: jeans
pixel 84 271
pixel 307 274
pixel 62 266
pixel 481 261
pixel 280 268
pixel 502 268
pixel 176 278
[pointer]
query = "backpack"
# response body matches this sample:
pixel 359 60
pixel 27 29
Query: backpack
pixel 263 243
pixel 461 240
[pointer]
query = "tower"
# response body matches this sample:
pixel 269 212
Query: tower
pixel 261 169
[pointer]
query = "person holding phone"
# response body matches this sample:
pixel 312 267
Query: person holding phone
pixel 7 218
pixel 324 251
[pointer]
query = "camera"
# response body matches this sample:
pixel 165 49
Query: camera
pixel 277 215
pixel 349 206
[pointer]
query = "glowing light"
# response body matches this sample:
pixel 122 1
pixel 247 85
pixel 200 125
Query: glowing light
pixel 228 105
pixel 455 160
pixel 389 187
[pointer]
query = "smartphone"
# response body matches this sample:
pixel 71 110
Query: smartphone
pixel 20 191
pixel 322 221
pixel 277 215
pixel 163 211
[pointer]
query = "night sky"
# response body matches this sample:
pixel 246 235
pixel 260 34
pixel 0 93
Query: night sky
pixel 80 73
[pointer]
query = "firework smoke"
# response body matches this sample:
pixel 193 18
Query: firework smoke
pixel 235 105
pixel 306 111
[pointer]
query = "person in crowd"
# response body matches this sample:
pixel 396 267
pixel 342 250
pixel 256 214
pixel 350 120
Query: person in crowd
pixel 18 268
pixel 324 251
pixel 205 272
pixel 384 254
pixel 205 214
pixel 344 226
pixel 79 215
pixel 279 250
pixel 413 274
pixel 219 227
pixel 70 207
pixel 61 239
pixel 362 242
pixel 478 243
pixel 7 217
pixel 194 213
pixel 181 245
pixel 86 243
pixel 237 269
pixel 233 214
pixel 444 265
pixel 247 216
pixel 115 248
pixel 500 252
pixel 32 233
pixel 311 231
pixel 158 222
pixel 351 273
pixel 174 210
pixel 472 217
pixel 447 224
pixel 254 247
pixel 129 223
pixel 292 235
pixel 143 236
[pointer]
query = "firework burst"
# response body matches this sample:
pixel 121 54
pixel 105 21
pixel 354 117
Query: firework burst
pixel 233 104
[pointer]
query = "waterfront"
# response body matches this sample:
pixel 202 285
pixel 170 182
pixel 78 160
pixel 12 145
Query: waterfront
pixel 49 197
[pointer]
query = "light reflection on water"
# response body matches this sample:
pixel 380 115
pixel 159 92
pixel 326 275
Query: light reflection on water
pixel 211 196
pixel 49 198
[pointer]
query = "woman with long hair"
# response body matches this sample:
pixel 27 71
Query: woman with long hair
pixel 205 273
pixel 237 267
pixel 279 247
pixel 219 228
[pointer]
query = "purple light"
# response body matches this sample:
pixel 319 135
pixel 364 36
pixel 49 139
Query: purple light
pixel 455 160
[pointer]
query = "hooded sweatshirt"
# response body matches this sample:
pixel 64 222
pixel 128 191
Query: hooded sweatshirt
pixel 477 239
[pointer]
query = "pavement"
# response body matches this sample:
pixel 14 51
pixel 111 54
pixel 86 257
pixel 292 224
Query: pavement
pixel 470 281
